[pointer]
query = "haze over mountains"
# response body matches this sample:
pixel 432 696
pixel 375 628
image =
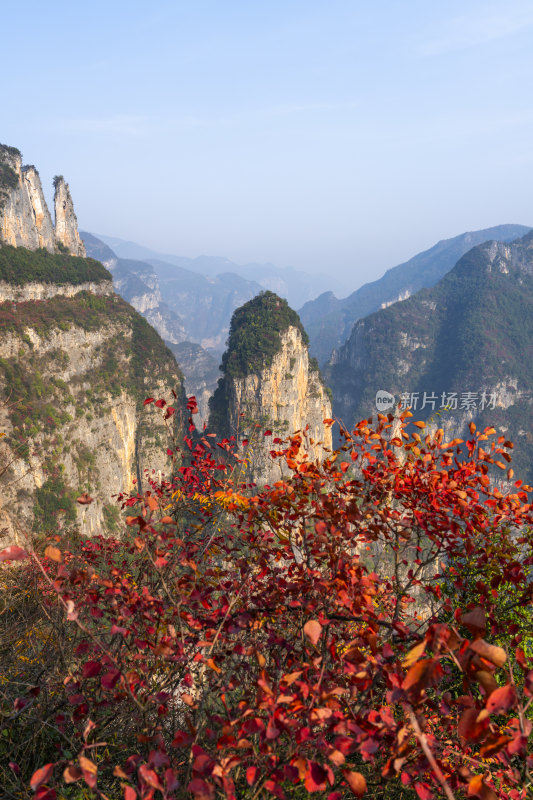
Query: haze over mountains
pixel 296 286
pixel 328 320
pixel 459 351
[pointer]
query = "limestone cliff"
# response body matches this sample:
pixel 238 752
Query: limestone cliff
pixel 25 220
pixel 66 223
pixel 76 362
pixel 269 381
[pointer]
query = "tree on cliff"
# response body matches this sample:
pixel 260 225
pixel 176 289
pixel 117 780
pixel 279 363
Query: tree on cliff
pixel 240 644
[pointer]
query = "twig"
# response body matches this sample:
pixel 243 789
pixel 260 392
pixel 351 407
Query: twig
pixel 421 736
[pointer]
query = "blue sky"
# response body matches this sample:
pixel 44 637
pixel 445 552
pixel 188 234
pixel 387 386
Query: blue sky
pixel 338 136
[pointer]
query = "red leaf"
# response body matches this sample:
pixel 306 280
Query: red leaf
pixel 45 794
pixel 13 553
pixel 201 789
pixel 130 793
pixel 41 776
pixel 475 620
pixel 423 791
pixel 160 403
pixel 267 433
pixel 251 775
pixel 313 630
pixel 91 668
pixel 110 679
pixel 315 778
pixel 356 782
pixel 502 699
pixel 148 400
pixel 150 777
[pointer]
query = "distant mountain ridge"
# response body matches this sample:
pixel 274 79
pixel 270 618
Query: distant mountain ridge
pixel 461 350
pixel 329 320
pixel 181 304
pixel 296 286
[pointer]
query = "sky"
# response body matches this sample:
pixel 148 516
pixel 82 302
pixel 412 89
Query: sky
pixel 339 137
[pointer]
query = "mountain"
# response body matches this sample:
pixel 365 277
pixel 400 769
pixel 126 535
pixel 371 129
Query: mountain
pixel 182 305
pixel 296 286
pixel 76 363
pixel 328 320
pixel 269 381
pixel 25 220
pixel 460 350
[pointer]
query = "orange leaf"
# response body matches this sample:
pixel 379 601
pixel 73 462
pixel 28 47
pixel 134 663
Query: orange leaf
pixel 40 776
pixel 490 652
pixel 73 773
pixel 414 654
pixel 53 553
pixel 478 788
pixel 313 630
pixel 166 520
pixel 356 782
pixel 152 503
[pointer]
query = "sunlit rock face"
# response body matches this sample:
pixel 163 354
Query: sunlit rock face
pixel 25 219
pixel 66 223
pixel 270 383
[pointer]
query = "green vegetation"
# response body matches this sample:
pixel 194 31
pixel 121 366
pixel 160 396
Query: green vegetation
pixel 20 266
pixel 255 334
pixel 8 176
pixel 54 499
pixel 48 389
pixel 255 337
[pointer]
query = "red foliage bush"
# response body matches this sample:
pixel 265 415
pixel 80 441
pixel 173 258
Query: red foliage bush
pixel 360 623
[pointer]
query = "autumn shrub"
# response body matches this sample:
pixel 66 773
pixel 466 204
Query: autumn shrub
pixel 240 642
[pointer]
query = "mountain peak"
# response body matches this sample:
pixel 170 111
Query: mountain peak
pixel 25 219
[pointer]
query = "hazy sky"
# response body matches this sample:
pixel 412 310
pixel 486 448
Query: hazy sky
pixel 332 135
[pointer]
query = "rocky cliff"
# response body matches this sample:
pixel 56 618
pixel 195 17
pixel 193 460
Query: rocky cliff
pixel 25 220
pixel 459 351
pixel 76 362
pixel 66 223
pixel 269 381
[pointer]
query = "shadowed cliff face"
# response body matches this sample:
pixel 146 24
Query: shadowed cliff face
pixel 25 220
pixel 459 351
